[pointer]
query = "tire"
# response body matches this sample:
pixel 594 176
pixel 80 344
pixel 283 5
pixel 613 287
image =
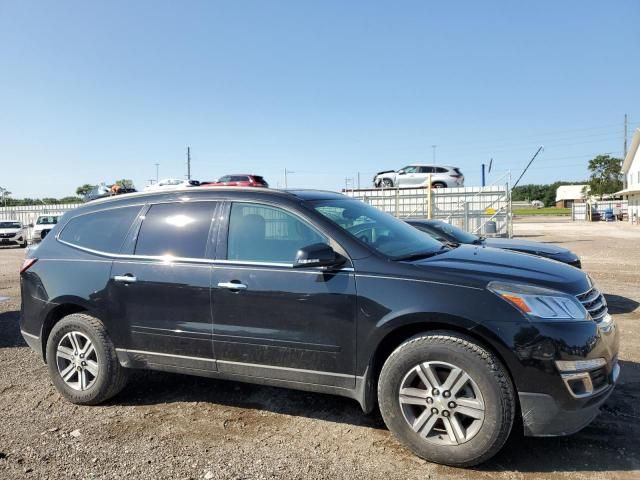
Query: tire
pixel 23 245
pixel 488 393
pixel 103 375
pixel 438 185
pixel 387 182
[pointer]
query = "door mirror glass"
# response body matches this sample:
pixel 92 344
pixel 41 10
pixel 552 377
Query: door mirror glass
pixel 316 255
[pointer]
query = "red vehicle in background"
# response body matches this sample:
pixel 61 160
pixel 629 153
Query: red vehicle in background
pixel 238 180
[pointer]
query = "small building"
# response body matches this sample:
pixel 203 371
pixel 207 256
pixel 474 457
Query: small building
pixel 631 179
pixel 567 195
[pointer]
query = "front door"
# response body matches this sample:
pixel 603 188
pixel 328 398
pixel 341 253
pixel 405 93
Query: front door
pixel 162 290
pixel 274 321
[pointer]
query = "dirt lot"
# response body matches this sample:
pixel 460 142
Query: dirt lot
pixel 172 426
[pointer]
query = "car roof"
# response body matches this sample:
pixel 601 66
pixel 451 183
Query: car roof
pixel 177 193
pixel 10 220
pixel 430 165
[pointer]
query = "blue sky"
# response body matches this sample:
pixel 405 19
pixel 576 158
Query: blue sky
pixel 94 92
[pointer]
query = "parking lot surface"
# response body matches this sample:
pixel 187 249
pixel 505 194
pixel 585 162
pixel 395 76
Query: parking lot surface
pixel 175 426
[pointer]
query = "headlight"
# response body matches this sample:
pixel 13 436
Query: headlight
pixel 540 303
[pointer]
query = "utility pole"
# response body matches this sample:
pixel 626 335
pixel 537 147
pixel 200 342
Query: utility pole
pixel 286 182
pixel 626 128
pixel 358 180
pixel 483 182
pixel 434 153
pixel 157 172
pixel 188 163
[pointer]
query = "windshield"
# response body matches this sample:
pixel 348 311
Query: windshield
pixel 383 232
pixel 48 220
pixel 10 225
pixel 453 232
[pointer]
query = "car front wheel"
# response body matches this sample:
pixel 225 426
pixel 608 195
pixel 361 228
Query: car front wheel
pixel 387 182
pixel 446 398
pixel 82 360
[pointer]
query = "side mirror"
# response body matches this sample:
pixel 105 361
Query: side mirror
pixel 30 225
pixel 316 255
pixel 402 172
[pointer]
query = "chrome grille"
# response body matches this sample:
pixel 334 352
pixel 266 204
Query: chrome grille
pixel 595 303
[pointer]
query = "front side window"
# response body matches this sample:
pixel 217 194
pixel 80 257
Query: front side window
pixel 385 233
pixel 103 231
pixel 259 233
pixel 176 230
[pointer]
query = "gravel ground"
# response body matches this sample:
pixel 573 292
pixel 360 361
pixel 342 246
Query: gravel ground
pixel 173 426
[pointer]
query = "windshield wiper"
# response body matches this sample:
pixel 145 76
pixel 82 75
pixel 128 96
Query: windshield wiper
pixel 427 254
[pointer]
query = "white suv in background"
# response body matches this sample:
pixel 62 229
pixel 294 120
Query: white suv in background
pixel 417 175
pixel 43 225
pixel 12 232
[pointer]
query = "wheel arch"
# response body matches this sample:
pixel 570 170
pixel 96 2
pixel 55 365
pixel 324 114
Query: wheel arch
pixel 56 314
pixel 416 324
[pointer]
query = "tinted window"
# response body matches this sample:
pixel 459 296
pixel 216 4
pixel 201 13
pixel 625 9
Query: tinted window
pixel 103 231
pixel 265 234
pixel 440 170
pixel 239 178
pixel 426 169
pixel 176 229
pixel 224 179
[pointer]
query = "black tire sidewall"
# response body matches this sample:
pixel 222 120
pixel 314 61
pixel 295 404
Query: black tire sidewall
pixel 468 453
pixel 97 391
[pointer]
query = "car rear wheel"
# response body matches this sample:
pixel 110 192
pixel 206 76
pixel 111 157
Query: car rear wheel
pixel 82 360
pixel 438 185
pixel 447 398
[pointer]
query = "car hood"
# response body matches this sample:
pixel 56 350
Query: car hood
pixel 535 248
pixel 10 230
pixel 479 265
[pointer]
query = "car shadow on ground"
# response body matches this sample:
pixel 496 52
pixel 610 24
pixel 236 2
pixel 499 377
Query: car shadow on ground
pixel 610 436
pixel 10 335
pixel 618 304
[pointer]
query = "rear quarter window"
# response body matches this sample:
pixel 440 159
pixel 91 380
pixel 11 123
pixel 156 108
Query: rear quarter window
pixel 103 231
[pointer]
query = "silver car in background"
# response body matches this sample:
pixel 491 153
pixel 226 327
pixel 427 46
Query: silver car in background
pixel 417 175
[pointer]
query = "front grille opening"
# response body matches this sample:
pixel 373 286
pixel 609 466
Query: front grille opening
pixel 599 378
pixel 594 303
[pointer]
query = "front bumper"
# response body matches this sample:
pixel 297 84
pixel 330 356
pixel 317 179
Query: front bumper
pixel 543 416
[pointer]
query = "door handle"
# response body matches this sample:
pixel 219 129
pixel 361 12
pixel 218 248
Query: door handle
pixel 232 285
pixel 125 279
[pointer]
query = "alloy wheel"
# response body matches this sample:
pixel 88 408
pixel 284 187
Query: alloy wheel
pixel 441 403
pixel 77 361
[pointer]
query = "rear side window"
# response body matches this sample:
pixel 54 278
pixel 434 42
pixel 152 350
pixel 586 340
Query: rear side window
pixel 440 170
pixel 426 169
pixel 176 229
pixel 103 231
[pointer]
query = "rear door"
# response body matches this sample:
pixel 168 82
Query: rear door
pixel 161 288
pixel 274 321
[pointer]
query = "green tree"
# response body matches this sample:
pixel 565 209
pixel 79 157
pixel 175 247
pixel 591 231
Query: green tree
pixel 82 190
pixel 125 183
pixel 606 175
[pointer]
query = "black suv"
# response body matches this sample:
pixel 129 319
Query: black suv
pixel 453 343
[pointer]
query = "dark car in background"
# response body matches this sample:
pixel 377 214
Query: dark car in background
pixel 238 180
pixel 451 342
pixel 445 232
